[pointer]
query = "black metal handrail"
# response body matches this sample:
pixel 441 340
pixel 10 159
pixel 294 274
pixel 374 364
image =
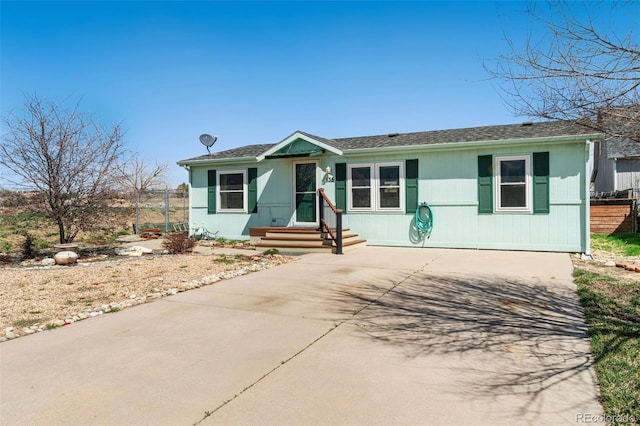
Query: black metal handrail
pixel 337 238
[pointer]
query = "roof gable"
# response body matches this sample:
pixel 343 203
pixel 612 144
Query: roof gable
pixel 300 144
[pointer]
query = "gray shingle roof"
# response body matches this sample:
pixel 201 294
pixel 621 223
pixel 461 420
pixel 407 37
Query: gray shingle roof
pixel 240 152
pixel 452 136
pixel 471 134
pixel 622 148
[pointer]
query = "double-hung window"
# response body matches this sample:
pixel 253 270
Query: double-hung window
pixel 513 183
pixel 389 176
pixel 232 191
pixel 376 187
pixel 361 187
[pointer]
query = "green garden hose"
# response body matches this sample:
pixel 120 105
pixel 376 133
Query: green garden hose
pixel 424 220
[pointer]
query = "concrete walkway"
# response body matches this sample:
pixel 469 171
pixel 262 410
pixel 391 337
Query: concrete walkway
pixel 376 336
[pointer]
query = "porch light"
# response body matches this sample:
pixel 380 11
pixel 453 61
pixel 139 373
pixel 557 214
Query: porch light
pixel 328 177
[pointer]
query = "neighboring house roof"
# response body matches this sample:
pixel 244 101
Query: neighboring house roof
pixel 620 123
pixel 509 132
pixel 622 148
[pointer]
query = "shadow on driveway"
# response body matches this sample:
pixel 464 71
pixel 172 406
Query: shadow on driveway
pixel 517 338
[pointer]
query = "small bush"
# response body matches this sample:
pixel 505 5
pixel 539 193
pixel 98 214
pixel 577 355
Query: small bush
pixel 178 242
pixel 29 250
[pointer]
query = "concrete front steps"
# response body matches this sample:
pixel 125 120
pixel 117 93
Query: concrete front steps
pixel 301 240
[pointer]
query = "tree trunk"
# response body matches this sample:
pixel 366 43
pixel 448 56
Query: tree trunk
pixel 61 232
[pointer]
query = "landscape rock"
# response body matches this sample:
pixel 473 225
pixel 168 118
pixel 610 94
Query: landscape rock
pixel 65 258
pixel 134 251
pixel 610 263
pixel 48 261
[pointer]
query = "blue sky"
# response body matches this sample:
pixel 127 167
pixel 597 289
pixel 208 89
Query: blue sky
pixel 254 72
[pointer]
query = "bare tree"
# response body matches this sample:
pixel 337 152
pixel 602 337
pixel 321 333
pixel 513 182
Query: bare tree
pixel 580 62
pixel 66 158
pixel 138 175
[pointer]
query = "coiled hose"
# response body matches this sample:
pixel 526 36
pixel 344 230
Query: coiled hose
pixel 424 220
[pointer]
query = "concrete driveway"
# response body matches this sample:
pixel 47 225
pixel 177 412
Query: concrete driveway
pixel 376 336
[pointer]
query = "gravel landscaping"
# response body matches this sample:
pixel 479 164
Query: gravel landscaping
pixel 36 298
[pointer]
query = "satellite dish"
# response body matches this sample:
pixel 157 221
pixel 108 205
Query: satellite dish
pixel 208 141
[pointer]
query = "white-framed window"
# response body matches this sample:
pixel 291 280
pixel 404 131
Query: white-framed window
pixel 513 183
pixel 361 184
pixel 232 191
pixel 389 177
pixel 376 187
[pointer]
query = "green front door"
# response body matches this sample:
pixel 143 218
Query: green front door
pixel 305 193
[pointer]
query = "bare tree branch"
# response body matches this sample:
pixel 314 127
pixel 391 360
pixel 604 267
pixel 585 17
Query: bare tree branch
pixel 577 64
pixel 138 175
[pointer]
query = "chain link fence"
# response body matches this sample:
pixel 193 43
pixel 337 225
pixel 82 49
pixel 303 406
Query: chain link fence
pixel 160 209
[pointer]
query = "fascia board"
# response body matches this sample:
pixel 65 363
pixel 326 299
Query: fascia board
pixel 292 138
pixel 206 161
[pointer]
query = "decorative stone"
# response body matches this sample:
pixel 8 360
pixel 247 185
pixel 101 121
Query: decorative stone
pixel 66 246
pixel 11 335
pixel 47 261
pixel 610 263
pixel 65 258
pixel 134 251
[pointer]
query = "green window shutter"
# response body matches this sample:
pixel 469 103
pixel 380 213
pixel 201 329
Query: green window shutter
pixel 541 182
pixel 252 187
pixel 341 187
pixel 411 185
pixel 211 192
pixel 485 184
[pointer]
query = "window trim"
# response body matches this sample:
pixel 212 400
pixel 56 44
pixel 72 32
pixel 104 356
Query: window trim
pixel 372 178
pixel 219 191
pixel 375 187
pixel 401 187
pixel 528 182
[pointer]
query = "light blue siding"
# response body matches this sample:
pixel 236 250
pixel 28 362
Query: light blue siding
pixel 275 200
pixel 447 181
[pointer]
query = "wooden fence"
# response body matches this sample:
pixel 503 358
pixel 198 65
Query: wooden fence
pixel 612 216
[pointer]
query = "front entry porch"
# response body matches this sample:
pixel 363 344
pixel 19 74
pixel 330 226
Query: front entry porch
pixel 301 239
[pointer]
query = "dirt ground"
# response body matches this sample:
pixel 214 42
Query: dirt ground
pixel 600 258
pixel 33 297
